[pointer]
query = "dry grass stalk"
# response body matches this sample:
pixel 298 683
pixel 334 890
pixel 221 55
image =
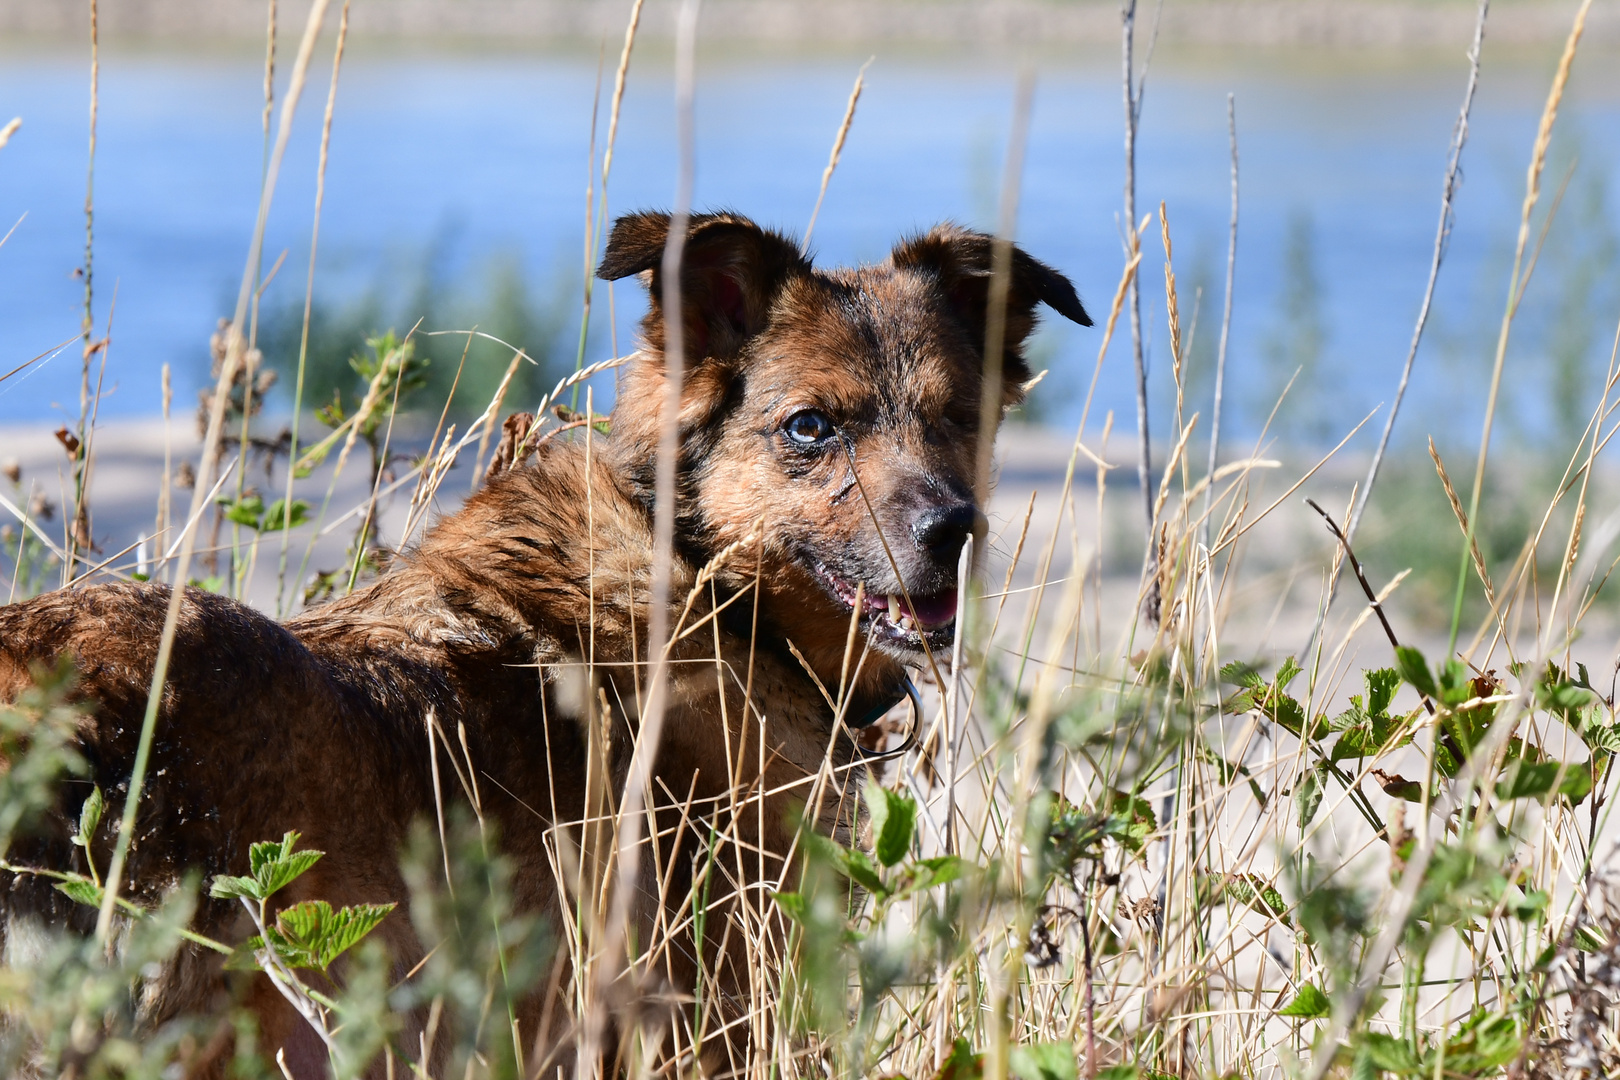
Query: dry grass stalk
pixel 1516 284
pixel 837 150
pixel 210 443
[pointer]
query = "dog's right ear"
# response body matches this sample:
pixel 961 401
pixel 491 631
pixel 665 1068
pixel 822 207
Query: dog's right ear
pixel 731 271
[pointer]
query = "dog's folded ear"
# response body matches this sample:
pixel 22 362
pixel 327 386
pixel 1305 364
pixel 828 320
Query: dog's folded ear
pixel 963 262
pixel 731 271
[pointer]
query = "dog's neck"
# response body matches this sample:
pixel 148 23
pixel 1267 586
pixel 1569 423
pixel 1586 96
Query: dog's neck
pixel 528 566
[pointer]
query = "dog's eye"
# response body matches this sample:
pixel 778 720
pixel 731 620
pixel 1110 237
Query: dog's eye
pixel 808 427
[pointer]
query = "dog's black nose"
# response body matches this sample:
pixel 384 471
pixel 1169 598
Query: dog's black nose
pixel 942 530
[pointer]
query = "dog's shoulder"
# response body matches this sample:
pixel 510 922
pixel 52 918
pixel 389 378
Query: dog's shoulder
pixel 540 554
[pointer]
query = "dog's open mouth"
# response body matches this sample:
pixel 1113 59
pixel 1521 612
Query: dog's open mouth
pixel 890 618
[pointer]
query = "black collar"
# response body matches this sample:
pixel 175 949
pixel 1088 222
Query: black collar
pixel 904 689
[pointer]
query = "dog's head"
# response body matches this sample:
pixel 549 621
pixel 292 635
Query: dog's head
pixel 842 407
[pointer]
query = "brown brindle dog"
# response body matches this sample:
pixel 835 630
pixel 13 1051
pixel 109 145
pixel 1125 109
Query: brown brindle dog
pixel 833 406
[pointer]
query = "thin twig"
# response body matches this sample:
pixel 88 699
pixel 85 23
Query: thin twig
pixel 1442 237
pixel 1372 596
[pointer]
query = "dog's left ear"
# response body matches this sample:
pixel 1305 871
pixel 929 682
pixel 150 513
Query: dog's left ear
pixel 963 262
pixel 731 271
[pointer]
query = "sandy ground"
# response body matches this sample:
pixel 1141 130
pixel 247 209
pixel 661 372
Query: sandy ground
pixel 797 23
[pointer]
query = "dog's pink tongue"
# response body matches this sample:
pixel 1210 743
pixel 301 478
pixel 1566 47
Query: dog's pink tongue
pixel 936 610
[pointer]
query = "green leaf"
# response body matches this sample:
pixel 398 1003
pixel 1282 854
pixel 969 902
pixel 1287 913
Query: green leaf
pixel 963 1064
pixel 1577 782
pixel 1590 939
pixel 859 868
pixel 1523 779
pixel 1308 796
pixel 1381 686
pixel 1132 821
pixel 1285 674
pixel 1389 1053
pixel 941 869
pixel 311 458
pixel 1309 1004
pixel 245 956
pixel 793 905
pixel 1119 1072
pixel 1289 714
pixel 1255 892
pixel 82 891
pixel 265 853
pixel 893 818
pixel 1043 1061
pixel 315 935
pixel 274 518
pixel 1415 670
pixel 1533 902
pixel 90 817
pixel 1238 673
pixel 1483 1043
pixel 248 510
pixel 276 866
pixel 1361 1066
pixel 227 887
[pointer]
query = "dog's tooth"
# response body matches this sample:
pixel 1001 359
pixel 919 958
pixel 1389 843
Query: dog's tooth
pixel 894 608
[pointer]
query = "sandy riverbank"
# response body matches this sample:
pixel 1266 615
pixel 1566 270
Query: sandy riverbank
pixel 1354 24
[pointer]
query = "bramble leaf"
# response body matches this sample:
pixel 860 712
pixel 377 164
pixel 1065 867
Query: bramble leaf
pixel 1255 892
pixel 1523 779
pixel 314 934
pixel 1132 821
pixel 81 890
pixel 275 518
pixel 1043 1061
pixel 1238 673
pixel 229 887
pixel 1309 1004
pixel 1415 670
pixel 246 510
pixel 274 866
pixel 1381 686
pixel 1308 796
pixel 90 817
pixel 893 818
pixel 1285 674
pixel 963 1063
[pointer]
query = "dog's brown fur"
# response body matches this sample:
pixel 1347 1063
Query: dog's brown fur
pixel 521 613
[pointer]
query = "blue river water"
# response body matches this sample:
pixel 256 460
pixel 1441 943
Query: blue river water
pixel 460 157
